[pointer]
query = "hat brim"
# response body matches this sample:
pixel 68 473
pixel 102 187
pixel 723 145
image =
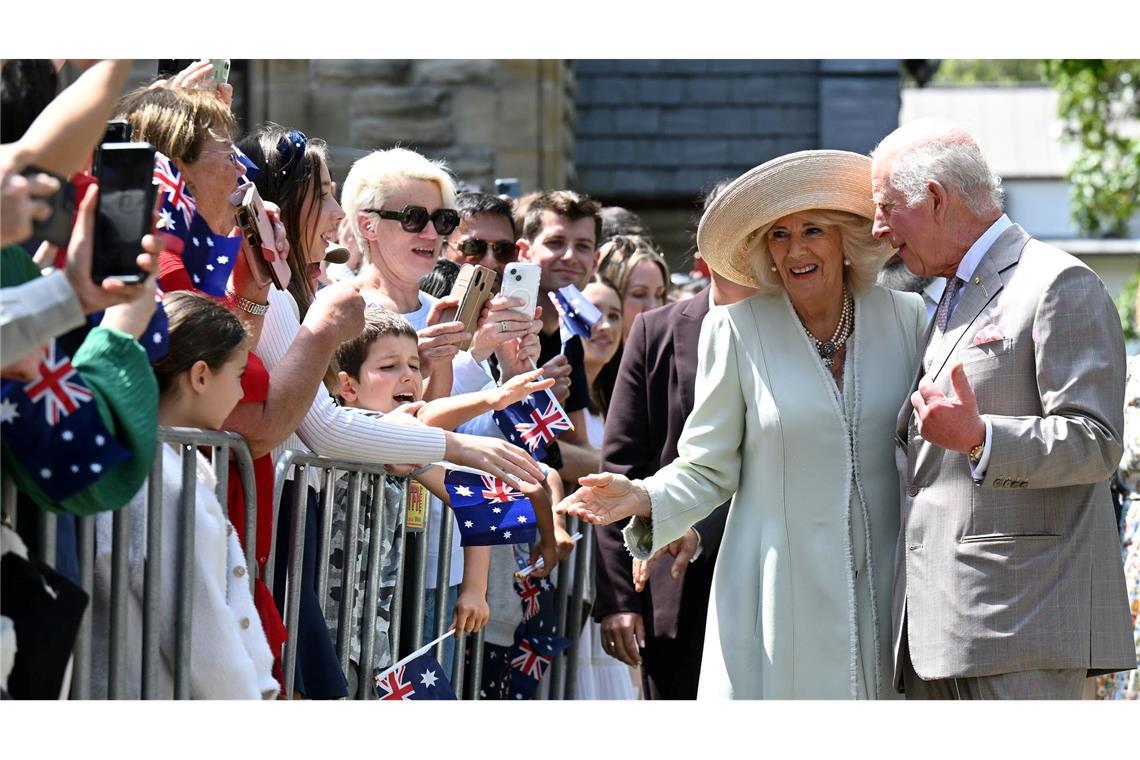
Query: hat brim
pixel 835 180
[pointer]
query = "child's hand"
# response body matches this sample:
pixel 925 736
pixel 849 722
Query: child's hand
pixel 518 388
pixel 471 611
pixel 562 540
pixel 547 549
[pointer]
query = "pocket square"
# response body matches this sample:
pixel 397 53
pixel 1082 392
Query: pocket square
pixel 988 334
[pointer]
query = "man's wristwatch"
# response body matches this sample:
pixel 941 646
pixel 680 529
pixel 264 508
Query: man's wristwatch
pixel 976 453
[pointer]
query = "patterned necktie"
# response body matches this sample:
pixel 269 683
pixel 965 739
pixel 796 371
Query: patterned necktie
pixel 945 306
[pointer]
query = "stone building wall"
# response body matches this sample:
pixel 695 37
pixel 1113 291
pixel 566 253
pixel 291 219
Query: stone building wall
pixel 486 118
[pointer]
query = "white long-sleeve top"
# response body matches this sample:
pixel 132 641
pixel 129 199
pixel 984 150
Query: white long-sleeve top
pixel 229 655
pixel 35 312
pixel 335 431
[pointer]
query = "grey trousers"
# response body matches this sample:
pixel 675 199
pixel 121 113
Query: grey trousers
pixel 1023 684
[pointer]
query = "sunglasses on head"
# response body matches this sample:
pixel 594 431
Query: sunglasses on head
pixel 415 218
pixel 505 251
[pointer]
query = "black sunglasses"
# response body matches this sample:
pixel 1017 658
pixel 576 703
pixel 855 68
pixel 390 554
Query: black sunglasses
pixel 505 251
pixel 415 218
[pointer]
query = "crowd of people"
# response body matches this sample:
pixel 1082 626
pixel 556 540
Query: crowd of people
pixel 806 478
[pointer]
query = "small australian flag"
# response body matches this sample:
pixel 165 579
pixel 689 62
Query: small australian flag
pixel 533 423
pixel 488 510
pixel 577 313
pixel 419 677
pixel 537 640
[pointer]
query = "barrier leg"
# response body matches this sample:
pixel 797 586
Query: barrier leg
pixel 575 607
pixel 81 673
pixel 475 679
pixel 371 588
pixel 120 572
pixel 152 581
pixel 296 558
pixel 185 573
pixel 397 617
pixel 457 669
pixel 348 581
pixel 324 538
pixel 442 578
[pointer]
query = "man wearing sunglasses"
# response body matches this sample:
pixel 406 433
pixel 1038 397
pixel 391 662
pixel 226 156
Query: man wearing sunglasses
pixel 486 233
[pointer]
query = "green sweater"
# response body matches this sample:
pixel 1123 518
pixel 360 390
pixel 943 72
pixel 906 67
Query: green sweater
pixel 115 367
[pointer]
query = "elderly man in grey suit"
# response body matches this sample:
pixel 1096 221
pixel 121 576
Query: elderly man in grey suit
pixel 1008 578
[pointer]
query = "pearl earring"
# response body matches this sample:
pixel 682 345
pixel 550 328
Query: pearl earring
pixel 847 262
pixel 773 267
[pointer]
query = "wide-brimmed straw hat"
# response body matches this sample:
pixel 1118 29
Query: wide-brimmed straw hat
pixel 837 180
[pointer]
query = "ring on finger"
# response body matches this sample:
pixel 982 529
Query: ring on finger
pixel 504 326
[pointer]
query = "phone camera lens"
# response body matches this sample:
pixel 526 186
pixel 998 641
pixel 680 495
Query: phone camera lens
pixel 518 277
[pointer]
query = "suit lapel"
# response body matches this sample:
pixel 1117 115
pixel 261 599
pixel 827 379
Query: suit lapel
pixel 686 336
pixel 976 295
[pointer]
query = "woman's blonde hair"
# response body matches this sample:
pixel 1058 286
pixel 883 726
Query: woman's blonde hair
pixel 176 121
pixel 866 253
pixel 619 255
pixel 373 179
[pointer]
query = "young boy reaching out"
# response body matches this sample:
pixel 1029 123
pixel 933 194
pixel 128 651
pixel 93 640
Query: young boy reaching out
pixel 380 372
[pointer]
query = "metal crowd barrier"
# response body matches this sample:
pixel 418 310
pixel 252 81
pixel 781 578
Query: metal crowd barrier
pixel 222 444
pixel 406 628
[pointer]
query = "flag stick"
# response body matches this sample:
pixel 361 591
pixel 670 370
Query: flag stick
pixel 540 563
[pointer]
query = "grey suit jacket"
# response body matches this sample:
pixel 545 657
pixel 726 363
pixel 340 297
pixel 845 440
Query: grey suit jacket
pixel 1021 571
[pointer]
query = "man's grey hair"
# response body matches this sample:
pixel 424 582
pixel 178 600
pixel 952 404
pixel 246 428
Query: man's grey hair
pixel 954 163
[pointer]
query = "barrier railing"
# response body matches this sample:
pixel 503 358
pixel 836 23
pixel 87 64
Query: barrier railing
pixel 357 478
pixel 222 446
pixel 364 502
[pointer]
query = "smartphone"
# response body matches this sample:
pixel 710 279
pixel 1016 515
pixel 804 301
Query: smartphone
pixel 118 131
pixel 56 229
pixel 221 73
pixel 507 186
pixel 125 210
pixel 520 279
pixel 269 266
pixel 168 67
pixel 473 286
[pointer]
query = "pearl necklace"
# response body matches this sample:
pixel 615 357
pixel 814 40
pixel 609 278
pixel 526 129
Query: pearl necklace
pixel 827 349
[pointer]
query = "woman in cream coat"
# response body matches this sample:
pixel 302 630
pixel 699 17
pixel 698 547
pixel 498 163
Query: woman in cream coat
pixel 797 393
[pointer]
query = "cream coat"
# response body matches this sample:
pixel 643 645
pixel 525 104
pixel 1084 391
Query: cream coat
pixel 768 426
pixel 229 656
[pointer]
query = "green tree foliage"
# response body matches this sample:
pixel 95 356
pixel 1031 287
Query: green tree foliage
pixel 1126 304
pixel 1096 98
pixel 988 71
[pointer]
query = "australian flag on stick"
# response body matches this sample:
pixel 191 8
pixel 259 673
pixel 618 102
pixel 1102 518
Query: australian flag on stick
pixel 537 640
pixel 577 313
pixel 533 423
pixel 489 511
pixel 418 678
pixel 54 430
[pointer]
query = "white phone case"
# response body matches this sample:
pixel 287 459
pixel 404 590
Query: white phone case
pixel 520 278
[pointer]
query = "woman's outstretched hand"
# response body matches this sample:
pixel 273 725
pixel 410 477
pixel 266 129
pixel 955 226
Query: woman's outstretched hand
pixel 606 498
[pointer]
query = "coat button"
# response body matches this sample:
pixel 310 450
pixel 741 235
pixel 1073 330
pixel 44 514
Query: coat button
pixel 912 491
pixel 244 623
pixel 239 571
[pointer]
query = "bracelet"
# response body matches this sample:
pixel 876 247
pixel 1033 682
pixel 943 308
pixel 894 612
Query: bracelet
pixel 246 305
